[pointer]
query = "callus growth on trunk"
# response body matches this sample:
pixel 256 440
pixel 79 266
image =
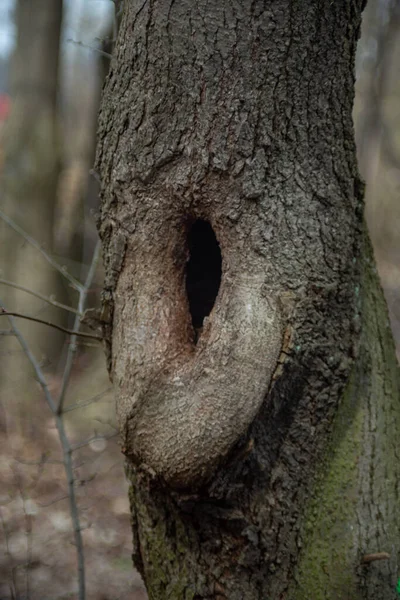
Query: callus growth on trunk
pixel 239 288
pixel 188 397
pixel 217 155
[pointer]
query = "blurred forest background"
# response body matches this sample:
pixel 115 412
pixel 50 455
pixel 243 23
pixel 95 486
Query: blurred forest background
pixel 53 60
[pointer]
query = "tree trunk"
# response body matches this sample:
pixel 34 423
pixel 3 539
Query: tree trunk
pixel 249 345
pixel 29 184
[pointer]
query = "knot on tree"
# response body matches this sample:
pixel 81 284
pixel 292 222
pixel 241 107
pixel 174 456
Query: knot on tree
pixel 200 338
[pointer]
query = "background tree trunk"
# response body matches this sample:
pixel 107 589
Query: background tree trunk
pixel 29 184
pixel 262 446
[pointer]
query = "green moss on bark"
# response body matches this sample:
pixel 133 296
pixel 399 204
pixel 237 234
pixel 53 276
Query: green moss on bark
pixel 325 570
pixel 359 474
pixel 158 550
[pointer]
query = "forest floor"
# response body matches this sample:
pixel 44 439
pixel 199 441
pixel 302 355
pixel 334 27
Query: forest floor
pixel 38 558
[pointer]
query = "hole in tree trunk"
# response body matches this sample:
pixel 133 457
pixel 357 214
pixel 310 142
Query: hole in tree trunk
pixel 203 272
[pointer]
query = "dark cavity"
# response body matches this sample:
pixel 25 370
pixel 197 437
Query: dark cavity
pixel 203 272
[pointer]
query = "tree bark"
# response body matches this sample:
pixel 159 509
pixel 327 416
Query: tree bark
pixel 261 446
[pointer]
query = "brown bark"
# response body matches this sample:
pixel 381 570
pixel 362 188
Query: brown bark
pixel 239 115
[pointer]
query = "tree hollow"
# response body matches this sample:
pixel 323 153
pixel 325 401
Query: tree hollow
pixel 203 272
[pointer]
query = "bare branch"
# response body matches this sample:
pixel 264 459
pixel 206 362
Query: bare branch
pixel 73 332
pixel 85 480
pixel 57 408
pixel 67 455
pixel 92 439
pixel 46 504
pixel 81 309
pixel 38 463
pixel 13 584
pixel 38 295
pixel 98 50
pixel 28 534
pixel 74 282
pixel 95 175
pixel 88 402
pixel 106 422
pixel 32 360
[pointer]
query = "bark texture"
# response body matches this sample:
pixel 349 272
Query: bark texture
pixel 239 114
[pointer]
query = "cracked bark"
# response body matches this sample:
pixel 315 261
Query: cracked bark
pixel 263 458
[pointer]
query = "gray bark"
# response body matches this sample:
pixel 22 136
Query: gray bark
pixel 239 114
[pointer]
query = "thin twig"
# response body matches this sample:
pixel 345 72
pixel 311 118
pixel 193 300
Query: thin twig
pixel 73 342
pixel 38 463
pixel 67 455
pixel 38 295
pixel 106 54
pixel 32 360
pixel 13 584
pixel 73 505
pixel 88 402
pixel 4 312
pixel 47 504
pixel 57 409
pixel 28 533
pixel 85 480
pixel 74 282
pixel 92 439
pixel 108 422
pixel 95 175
